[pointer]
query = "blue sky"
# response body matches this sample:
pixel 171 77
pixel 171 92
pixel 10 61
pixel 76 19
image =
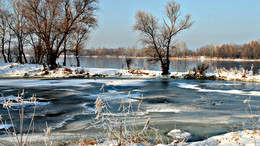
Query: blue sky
pixel 216 21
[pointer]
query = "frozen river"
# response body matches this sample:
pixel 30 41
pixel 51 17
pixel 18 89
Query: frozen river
pixel 202 108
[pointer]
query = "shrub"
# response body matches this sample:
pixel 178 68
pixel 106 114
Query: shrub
pixel 67 71
pixel 201 69
pixel 128 62
pixel 82 71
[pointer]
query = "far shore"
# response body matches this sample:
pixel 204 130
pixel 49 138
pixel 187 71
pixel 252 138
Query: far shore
pixel 214 59
pixel 180 58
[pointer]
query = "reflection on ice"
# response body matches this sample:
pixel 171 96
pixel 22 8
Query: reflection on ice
pixel 117 96
pixel 125 82
pixel 168 108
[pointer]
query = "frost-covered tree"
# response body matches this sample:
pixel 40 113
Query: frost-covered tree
pixel 159 39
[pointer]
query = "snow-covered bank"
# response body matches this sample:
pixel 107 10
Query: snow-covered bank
pixel 10 70
pixel 246 137
pixel 15 70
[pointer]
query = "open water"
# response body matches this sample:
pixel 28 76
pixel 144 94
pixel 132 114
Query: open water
pixel 175 65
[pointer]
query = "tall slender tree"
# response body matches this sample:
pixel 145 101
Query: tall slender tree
pixel 77 40
pixel 17 25
pixel 3 30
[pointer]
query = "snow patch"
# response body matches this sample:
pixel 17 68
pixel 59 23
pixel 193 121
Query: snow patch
pixel 126 83
pixel 163 110
pixel 188 86
pixel 247 137
pixel 179 134
pixel 254 93
pixel 5 126
pixel 220 84
pixel 196 87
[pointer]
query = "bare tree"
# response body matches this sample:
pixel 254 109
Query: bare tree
pixel 183 47
pixel 6 34
pixel 3 29
pixel 78 38
pixel 17 25
pixel 53 20
pixel 9 51
pixel 176 52
pixel 159 38
pixel 212 49
pixel 38 49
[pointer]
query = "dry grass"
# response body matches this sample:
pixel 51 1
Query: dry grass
pixel 240 74
pixel 20 138
pixel 254 114
pixel 121 130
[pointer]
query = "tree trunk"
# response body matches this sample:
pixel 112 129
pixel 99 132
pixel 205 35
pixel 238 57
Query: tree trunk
pixel 36 55
pixel 41 58
pixel 78 62
pixel 165 70
pixel 24 57
pixel 51 59
pixel 65 58
pixel 9 57
pixel 3 49
pixel 53 64
pixel 19 52
pixel 65 53
pixel 166 65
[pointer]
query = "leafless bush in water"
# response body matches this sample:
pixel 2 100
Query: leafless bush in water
pixel 201 69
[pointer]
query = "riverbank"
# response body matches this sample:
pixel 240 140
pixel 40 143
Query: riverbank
pixel 15 70
pixel 246 137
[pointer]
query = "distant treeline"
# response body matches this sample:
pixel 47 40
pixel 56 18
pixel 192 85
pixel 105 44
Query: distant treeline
pixel 249 50
pixel 117 52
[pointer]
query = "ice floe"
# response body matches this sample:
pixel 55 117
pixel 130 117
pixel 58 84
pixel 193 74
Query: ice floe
pixel 179 134
pixel 5 126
